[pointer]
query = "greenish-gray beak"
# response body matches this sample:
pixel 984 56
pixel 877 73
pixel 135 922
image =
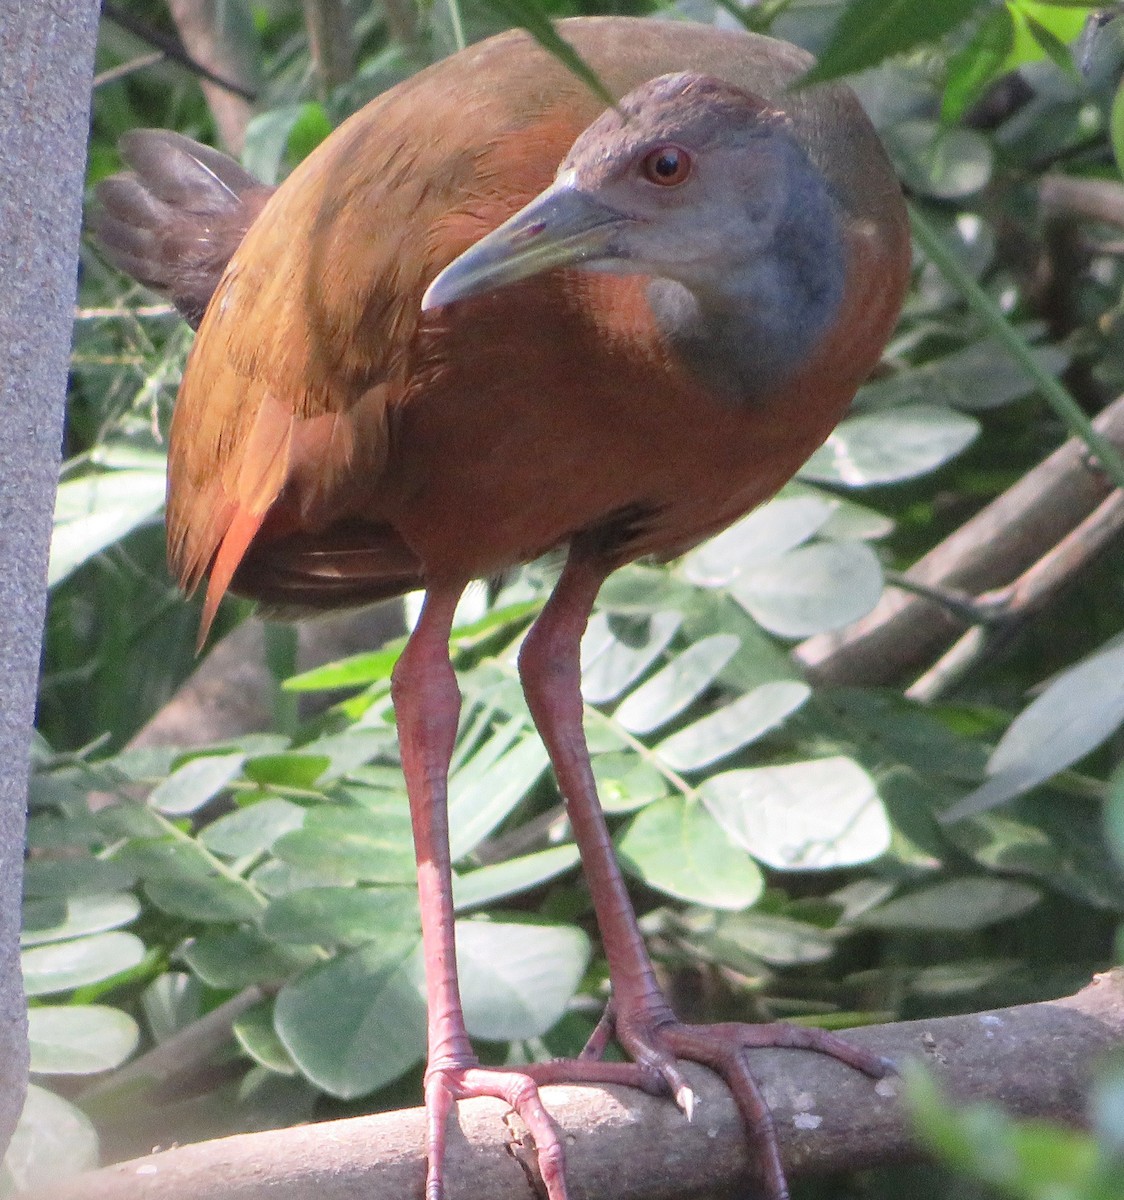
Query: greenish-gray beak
pixel 561 227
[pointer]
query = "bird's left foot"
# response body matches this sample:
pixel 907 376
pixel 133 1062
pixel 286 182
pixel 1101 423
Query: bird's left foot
pixel 660 1042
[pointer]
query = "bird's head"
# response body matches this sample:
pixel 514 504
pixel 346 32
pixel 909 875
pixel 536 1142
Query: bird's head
pixel 686 178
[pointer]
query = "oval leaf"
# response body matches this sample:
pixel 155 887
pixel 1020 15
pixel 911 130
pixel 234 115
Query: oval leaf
pixel 805 815
pixel 335 916
pixel 53 1141
pixel 676 847
pixel 79 1039
pixel 1079 710
pixel 812 590
pixel 676 685
pixel 189 787
pixel 358 1022
pixel 886 447
pixel 63 966
pixel 516 980
pixel 768 532
pixel 720 733
pixel 954 906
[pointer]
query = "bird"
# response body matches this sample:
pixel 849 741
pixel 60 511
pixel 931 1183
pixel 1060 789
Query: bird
pixel 490 318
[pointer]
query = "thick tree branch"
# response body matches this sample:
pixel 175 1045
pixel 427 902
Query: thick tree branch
pixel 1005 539
pixel 1035 1059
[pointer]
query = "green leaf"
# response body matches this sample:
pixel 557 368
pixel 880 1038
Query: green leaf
pixel 171 1002
pixel 1116 127
pixel 813 589
pixel 256 1035
pixel 762 536
pixel 367 846
pixel 79 1039
pixel 76 917
pixel 720 733
pixel 872 30
pixel 626 782
pixel 63 966
pixel 971 69
pixel 485 885
pixel 676 847
pixel 45 877
pixel 516 980
pixel 479 802
pixel 191 786
pixel 204 898
pixel 341 916
pixel 1079 710
pixel 975 377
pixel 529 15
pixel 53 1141
pixel 358 1022
pixel 803 816
pixel 359 670
pixel 778 940
pixel 878 448
pixel 955 906
pixel 97 510
pixel 617 663
pixel 667 693
pixel 253 829
pixel 295 770
pixel 234 958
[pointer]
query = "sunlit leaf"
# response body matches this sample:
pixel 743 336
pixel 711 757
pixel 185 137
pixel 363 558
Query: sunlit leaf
pixel 95 511
pixel 192 785
pixel 359 1021
pixel 764 535
pixel 671 689
pixel 886 447
pixel 733 726
pixel 516 980
pixel 676 847
pixel 80 1039
pixel 76 916
pixel 805 815
pixel 63 966
pixel 53 1141
pixel 485 885
pixel 611 669
pixel 813 589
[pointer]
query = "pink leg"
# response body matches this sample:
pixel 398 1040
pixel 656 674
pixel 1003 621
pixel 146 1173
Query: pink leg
pixel 645 1026
pixel 427 704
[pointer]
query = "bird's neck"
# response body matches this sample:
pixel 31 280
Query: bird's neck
pixel 748 329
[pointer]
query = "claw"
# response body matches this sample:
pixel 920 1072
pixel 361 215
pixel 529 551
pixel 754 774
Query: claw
pixel 685 1099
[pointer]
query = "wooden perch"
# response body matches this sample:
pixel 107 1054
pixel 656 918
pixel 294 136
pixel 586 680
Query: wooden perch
pixel 1035 1060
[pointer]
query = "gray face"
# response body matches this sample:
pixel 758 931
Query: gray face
pixel 703 187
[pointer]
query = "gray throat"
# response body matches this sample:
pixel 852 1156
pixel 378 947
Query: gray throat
pixel 745 339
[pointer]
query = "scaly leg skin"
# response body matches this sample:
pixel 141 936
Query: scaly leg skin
pixel 427 704
pixel 640 1017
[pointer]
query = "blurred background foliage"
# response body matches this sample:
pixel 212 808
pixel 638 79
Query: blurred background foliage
pixel 784 834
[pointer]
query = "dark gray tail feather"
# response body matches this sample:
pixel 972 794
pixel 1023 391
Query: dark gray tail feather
pixel 174 221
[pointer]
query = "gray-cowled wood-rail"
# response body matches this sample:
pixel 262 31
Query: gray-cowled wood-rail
pixel 484 320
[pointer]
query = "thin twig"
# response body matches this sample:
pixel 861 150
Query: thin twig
pixel 172 49
pixel 128 68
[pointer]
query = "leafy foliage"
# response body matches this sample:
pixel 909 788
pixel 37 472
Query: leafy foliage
pixel 808 852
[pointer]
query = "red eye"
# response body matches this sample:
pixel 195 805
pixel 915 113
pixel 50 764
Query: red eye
pixel 667 166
